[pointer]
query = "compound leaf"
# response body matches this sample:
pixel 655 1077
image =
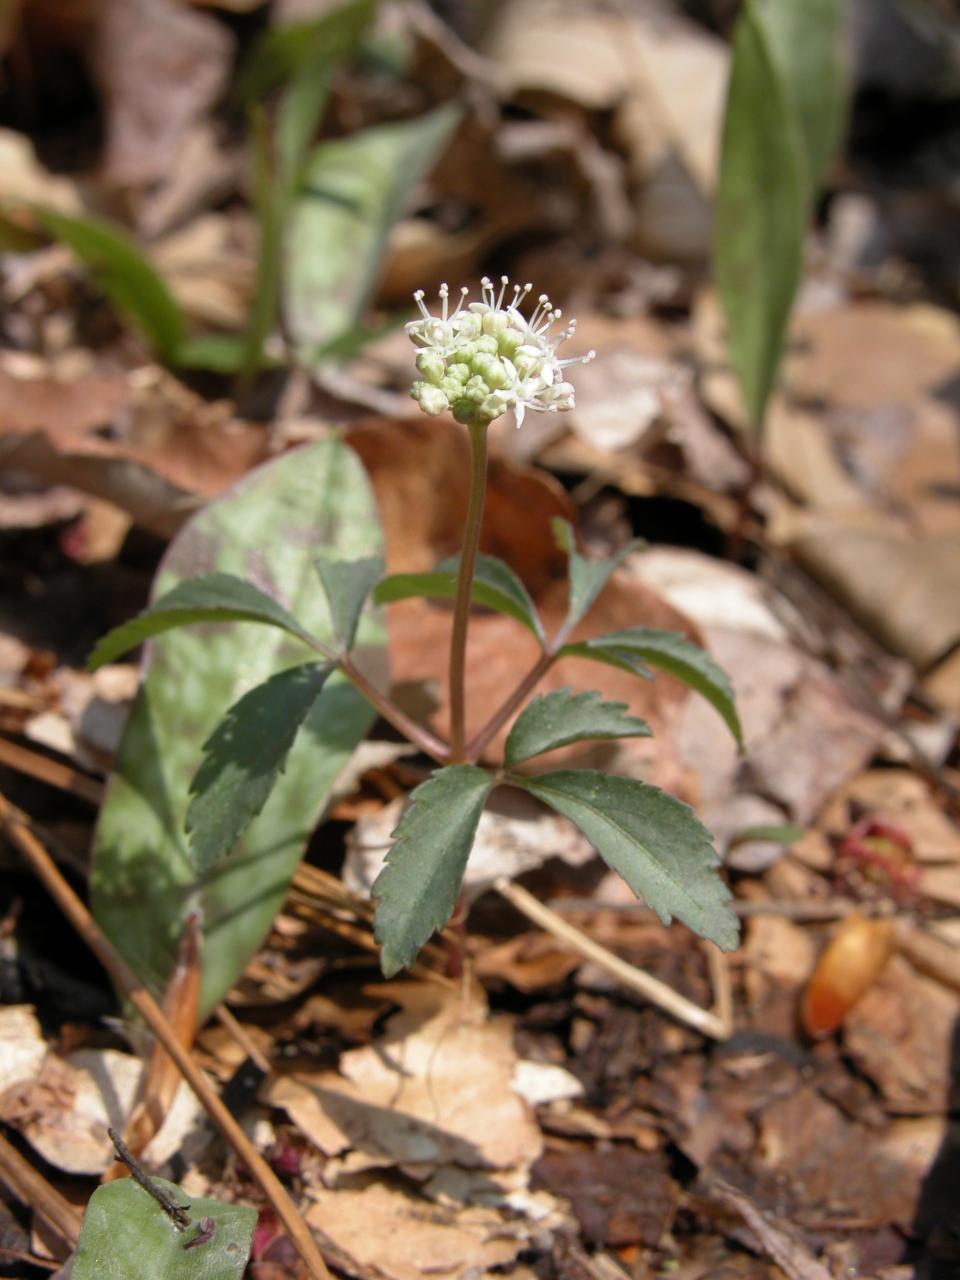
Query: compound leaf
pixel 417 889
pixel 557 719
pixel 245 755
pixel 347 584
pixel 654 841
pixel 125 1233
pixel 495 586
pixel 215 597
pixel 635 647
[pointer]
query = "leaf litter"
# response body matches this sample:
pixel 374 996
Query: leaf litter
pixel 533 1116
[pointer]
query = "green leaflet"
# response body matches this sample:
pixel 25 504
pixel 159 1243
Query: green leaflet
pixel 216 597
pixel 348 584
pixel 270 527
pixel 126 1234
pixel 654 841
pixel 495 586
pixel 245 755
pixel 587 577
pixel 672 652
pixel 556 719
pixel 418 887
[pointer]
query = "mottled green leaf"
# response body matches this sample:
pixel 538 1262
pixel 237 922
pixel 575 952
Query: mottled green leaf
pixel 245 755
pixel 557 719
pixel 587 577
pixel 283 51
pixel 807 45
pixel 124 274
pixel 495 586
pixel 126 1235
pixel 418 887
pixel 760 212
pixel 271 527
pixel 635 647
pixel 216 597
pixel 348 584
pixel 654 841
pixel 354 189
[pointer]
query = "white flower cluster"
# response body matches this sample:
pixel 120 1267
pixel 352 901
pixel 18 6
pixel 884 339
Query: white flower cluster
pixel 482 359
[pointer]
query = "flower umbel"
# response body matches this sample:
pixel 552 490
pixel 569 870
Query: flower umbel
pixel 479 360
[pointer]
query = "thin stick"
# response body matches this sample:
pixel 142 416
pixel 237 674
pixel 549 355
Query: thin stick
pixel 239 1033
pixel 177 1213
pixel 461 608
pixel 31 1188
pixel 124 977
pixel 62 776
pixel 658 993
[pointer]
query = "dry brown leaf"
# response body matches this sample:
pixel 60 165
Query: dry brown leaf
pixel 435 1088
pixel 24 179
pixel 901 1035
pixel 407 1238
pixel 22 1048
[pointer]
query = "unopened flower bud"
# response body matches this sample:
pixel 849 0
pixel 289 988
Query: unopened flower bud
pixel 430 399
pixel 431 364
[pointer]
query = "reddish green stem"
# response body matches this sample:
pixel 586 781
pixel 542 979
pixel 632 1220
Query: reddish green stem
pixel 461 609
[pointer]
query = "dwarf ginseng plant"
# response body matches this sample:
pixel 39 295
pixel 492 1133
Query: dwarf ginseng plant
pixel 478 361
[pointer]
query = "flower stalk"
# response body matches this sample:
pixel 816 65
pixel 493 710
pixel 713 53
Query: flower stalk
pixel 461 610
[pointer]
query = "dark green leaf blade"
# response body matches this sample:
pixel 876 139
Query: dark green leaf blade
pixel 760 213
pixel 671 652
pixel 215 597
pixel 417 889
pixel 124 274
pixel 245 755
pixel 125 1232
pixel 282 52
pixel 654 841
pixel 347 584
pixel 495 586
pixel 587 577
pixel 557 719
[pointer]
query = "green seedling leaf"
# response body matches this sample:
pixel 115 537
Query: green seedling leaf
pixel 654 841
pixel 282 52
pixel 353 190
pixel 126 1235
pixel 417 889
pixel 124 274
pixel 587 577
pixel 760 212
pixel 807 44
pixel 635 647
pixel 348 584
pixel 271 527
pixel 557 719
pixel 774 833
pixel 495 586
pixel 245 755
pixel 217 597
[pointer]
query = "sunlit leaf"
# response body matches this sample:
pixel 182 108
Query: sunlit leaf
pixel 216 597
pixel 126 1233
pixel 418 887
pixel 348 584
pixel 354 189
pixel 760 212
pixel 244 757
pixel 557 719
pixel 271 526
pixel 636 647
pixel 654 841
pixel 495 586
